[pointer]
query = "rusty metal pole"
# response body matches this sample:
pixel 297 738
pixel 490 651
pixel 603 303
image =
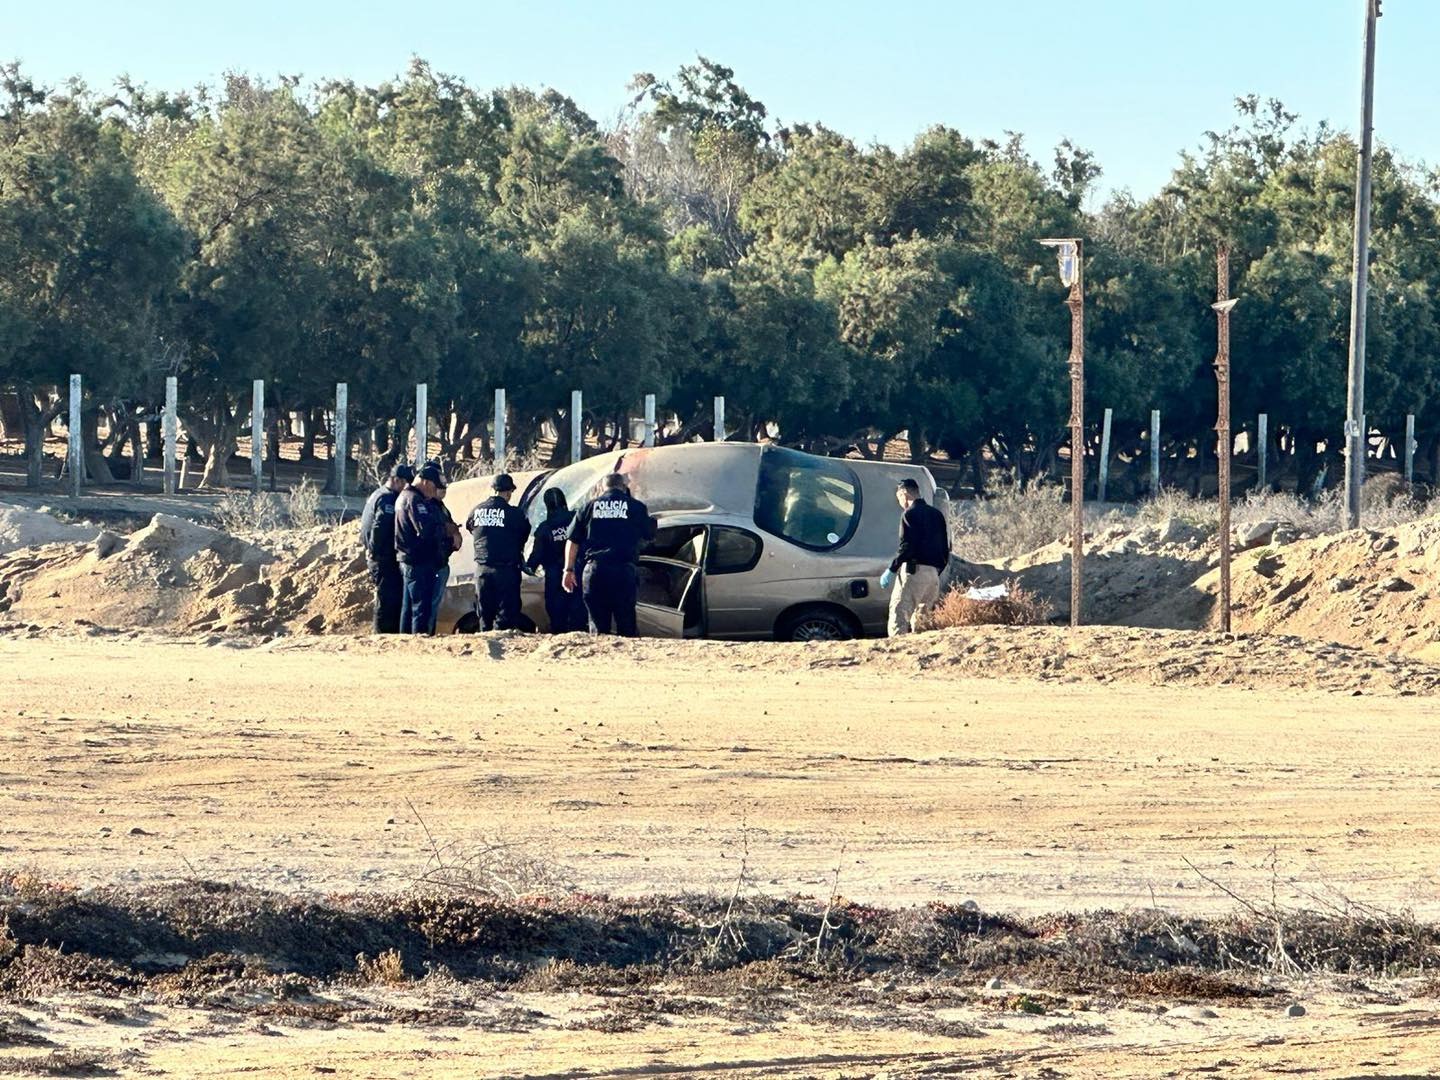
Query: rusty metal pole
pixel 1223 439
pixel 1072 274
pixel 1076 303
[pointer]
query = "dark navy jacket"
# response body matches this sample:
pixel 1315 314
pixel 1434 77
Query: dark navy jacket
pixel 377 526
pixel 549 547
pixel 420 534
pixel 612 528
pixel 499 531
pixel 924 538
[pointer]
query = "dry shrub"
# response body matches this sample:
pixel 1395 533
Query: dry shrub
pixel 1017 519
pixel 302 505
pixel 1020 608
pixel 240 512
pixel 387 969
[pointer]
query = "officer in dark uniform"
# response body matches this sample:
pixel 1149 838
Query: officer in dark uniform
pixel 565 610
pixel 499 531
pixel 377 535
pixel 419 539
pixel 612 527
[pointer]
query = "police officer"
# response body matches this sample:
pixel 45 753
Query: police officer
pixel 419 536
pixel 499 531
pixel 565 610
pixel 448 548
pixel 921 557
pixel 377 536
pixel 611 527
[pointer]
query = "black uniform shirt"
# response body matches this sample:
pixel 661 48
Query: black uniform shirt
pixel 499 531
pixel 924 538
pixel 549 547
pixel 419 529
pixel 377 526
pixel 612 528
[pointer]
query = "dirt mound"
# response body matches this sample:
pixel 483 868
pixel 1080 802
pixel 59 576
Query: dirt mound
pixel 1126 571
pixel 1372 589
pixel 22 528
pixel 179 575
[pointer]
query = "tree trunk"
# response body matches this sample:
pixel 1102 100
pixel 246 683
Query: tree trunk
pixel 97 468
pixel 310 424
pixel 137 453
pixel 35 418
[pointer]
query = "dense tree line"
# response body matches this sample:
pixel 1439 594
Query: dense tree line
pixel 426 231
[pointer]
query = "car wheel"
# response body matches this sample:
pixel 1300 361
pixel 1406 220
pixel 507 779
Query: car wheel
pixel 815 624
pixel 469 623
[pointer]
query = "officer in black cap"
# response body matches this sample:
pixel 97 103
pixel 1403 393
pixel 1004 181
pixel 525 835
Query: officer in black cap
pixel 419 539
pixel 565 610
pixel 377 535
pixel 611 527
pixel 499 531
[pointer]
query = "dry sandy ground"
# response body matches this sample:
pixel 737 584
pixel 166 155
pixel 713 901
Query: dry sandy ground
pixel 651 768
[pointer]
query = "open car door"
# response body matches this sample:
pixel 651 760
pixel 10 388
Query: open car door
pixel 669 601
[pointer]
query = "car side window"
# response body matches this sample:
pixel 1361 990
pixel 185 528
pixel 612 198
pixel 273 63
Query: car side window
pixel 732 550
pixel 811 501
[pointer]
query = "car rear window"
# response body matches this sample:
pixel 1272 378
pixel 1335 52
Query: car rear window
pixel 811 501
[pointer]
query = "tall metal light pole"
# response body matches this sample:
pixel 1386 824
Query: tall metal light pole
pixel 1072 273
pixel 1360 285
pixel 1224 443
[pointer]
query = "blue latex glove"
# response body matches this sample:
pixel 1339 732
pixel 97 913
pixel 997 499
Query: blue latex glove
pixel 886 578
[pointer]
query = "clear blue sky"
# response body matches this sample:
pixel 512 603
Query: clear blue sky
pixel 1140 80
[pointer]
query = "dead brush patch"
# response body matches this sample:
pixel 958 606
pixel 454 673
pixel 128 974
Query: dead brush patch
pixel 1020 608
pixel 387 969
pixel 62 1063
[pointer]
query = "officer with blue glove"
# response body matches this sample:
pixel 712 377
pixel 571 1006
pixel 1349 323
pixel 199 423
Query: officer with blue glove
pixel 923 553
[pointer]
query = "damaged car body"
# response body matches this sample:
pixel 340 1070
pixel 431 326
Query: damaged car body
pixel 753 541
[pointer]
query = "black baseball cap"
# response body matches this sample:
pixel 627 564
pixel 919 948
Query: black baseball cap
pixel 504 482
pixel 402 472
pixel 430 471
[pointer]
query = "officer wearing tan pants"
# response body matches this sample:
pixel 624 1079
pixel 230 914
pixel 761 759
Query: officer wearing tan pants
pixel 923 553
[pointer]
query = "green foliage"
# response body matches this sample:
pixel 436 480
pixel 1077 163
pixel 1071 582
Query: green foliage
pixel 423 230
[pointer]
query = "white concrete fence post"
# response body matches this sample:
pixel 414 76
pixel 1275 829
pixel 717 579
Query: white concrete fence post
pixel 170 426
pixel 342 435
pixel 1104 455
pixel 1410 448
pixel 720 419
pixel 577 429
pixel 1154 452
pixel 257 434
pixel 499 441
pixel 1262 438
pixel 422 423
pixel 649 419
pixel 76 440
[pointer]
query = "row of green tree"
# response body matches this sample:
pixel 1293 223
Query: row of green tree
pixel 425 231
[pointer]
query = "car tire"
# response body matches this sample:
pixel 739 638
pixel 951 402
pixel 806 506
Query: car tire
pixel 815 624
pixel 469 623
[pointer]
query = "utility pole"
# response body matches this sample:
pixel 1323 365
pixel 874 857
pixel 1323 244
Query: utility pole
pixel 1360 284
pixel 1072 274
pixel 1224 441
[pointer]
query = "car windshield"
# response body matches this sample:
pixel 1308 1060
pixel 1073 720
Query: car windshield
pixel 577 481
pixel 811 501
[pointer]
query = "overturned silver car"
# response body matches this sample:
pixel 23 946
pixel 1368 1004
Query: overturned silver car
pixel 753 541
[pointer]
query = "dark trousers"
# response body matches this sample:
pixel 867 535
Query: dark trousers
pixel 419 599
pixel 497 589
pixel 389 594
pixel 565 610
pixel 610 597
